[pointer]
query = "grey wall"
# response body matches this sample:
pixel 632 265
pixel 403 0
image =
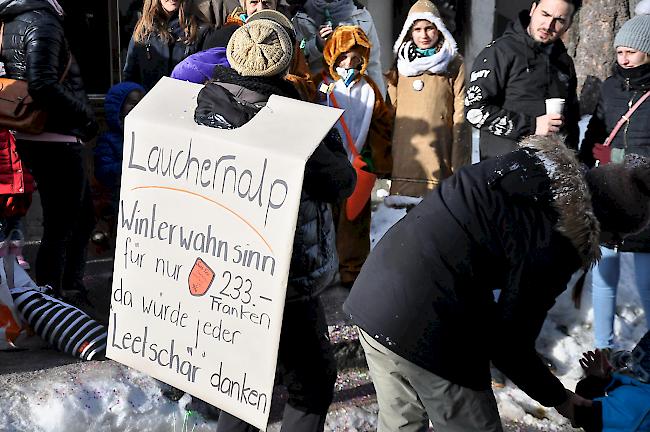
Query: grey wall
pixel 382 15
pixel 480 23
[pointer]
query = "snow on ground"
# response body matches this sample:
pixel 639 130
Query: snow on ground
pixel 93 396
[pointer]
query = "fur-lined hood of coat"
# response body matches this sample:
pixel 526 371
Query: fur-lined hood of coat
pixel 571 197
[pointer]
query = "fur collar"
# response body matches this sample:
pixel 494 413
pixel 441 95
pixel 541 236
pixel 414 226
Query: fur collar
pixel 571 197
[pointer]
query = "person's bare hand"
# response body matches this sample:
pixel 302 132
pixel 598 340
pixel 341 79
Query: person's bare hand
pixel 567 409
pixel 548 124
pixel 324 32
pixel 595 363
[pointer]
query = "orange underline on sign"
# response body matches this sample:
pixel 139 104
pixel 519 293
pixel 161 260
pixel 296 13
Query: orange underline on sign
pixel 213 202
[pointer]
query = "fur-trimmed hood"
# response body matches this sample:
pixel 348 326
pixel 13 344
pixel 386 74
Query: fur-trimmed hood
pixel 571 197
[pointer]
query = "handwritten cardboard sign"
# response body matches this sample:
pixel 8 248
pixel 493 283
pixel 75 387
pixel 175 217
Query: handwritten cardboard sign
pixel 205 230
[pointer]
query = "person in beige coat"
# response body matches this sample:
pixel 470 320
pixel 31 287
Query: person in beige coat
pixel 426 87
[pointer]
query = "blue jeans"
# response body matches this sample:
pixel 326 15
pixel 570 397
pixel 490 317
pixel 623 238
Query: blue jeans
pixel 605 283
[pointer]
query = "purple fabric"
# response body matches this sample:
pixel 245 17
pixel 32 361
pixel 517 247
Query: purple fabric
pixel 198 67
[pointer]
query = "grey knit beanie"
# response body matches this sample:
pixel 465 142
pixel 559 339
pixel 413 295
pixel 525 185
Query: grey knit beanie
pixel 260 48
pixel 635 34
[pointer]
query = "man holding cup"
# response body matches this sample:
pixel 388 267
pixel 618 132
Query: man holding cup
pixel 524 83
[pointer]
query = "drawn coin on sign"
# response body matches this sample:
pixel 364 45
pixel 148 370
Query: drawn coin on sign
pixel 200 278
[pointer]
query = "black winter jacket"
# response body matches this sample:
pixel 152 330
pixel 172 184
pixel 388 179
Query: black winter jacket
pixel 521 223
pixel 230 101
pixel 33 35
pixel 618 93
pixel 147 62
pixel 510 80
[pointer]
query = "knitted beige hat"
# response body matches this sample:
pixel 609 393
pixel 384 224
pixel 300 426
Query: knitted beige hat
pixel 260 48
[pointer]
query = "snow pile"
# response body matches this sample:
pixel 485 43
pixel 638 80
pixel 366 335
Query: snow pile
pixel 95 396
pixel 401 201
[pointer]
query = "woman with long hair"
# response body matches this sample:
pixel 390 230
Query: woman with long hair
pixel 426 86
pixel 167 32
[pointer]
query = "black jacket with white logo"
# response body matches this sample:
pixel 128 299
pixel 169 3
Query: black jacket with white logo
pixel 510 80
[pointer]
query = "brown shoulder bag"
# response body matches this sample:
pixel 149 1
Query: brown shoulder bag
pixel 17 108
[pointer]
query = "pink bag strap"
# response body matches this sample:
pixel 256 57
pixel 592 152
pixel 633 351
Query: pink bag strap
pixel 625 118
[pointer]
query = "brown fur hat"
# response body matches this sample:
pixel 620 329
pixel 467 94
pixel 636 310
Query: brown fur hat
pixel 620 195
pixel 343 40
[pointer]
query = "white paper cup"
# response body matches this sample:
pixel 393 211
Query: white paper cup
pixel 554 106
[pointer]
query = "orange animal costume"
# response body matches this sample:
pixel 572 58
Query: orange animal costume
pixel 364 126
